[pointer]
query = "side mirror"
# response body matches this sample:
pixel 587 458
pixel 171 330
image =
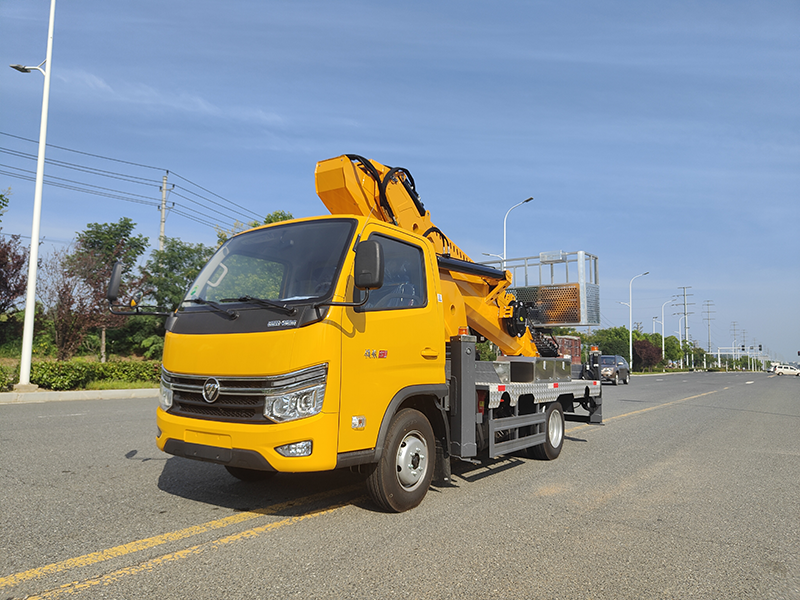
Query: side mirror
pixel 369 265
pixel 113 283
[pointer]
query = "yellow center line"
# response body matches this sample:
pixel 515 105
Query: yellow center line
pixel 150 565
pixel 644 410
pixel 138 545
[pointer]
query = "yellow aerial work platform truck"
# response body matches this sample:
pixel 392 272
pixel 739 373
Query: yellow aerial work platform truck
pixel 348 340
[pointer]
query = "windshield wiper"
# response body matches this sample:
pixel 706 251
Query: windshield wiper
pixel 264 303
pixel 231 314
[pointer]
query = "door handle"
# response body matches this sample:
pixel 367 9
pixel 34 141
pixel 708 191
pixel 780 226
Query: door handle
pixel 429 353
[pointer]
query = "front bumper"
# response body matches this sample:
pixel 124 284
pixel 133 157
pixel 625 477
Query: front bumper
pixel 251 446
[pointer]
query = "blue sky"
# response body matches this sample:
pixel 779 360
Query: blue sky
pixel 661 137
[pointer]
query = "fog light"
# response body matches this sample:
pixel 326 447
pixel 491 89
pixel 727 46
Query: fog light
pixel 296 449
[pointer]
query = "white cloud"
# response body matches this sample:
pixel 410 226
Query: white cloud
pixel 92 88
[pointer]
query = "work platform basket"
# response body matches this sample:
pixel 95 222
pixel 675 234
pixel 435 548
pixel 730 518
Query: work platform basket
pixel 563 287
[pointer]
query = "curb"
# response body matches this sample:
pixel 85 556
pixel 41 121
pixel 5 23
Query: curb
pixel 50 396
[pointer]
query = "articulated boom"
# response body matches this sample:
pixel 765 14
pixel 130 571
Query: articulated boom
pixel 474 295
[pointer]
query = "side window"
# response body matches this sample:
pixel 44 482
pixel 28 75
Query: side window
pixel 403 277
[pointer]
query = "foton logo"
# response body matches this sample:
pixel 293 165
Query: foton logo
pixel 376 353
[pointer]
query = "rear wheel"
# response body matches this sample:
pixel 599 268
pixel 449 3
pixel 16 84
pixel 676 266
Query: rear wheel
pixel 554 428
pixel 250 474
pixel 402 477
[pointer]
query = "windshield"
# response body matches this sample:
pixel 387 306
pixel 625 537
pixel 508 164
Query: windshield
pixel 295 261
pixel 608 360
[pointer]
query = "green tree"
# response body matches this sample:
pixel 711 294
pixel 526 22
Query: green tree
pixel 613 340
pixel 672 349
pixel 169 272
pixel 4 199
pixel 97 248
pixel 111 242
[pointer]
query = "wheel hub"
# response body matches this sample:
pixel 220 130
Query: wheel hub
pixel 412 460
pixel 554 429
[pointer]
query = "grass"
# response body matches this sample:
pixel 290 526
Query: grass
pixel 114 384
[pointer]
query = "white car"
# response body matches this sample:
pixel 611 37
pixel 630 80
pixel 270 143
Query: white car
pixel 786 370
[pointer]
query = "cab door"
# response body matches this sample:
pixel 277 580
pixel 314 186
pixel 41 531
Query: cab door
pixel 394 341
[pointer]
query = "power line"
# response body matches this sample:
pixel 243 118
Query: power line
pixel 126 162
pixel 195 202
pixel 213 194
pixel 42 240
pixel 68 184
pixel 82 168
pixel 250 213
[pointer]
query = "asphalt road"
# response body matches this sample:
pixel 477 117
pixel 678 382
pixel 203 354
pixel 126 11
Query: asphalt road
pixel 691 489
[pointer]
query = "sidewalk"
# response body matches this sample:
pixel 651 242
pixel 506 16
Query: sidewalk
pixel 49 396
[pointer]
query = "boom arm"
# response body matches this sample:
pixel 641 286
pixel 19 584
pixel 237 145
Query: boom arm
pixel 474 295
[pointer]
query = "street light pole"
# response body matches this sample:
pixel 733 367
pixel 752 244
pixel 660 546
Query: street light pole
pixel 30 299
pixel 505 219
pixel 630 320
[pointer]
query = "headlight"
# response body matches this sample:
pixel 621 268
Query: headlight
pixel 297 403
pixel 606 370
pixel 164 397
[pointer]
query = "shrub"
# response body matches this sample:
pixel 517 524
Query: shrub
pixel 76 374
pixel 7 378
pixel 140 370
pixel 54 375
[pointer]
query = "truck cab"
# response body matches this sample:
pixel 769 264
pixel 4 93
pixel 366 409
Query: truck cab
pixel 267 368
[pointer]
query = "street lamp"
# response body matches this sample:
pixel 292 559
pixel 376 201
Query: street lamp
pixel 24 384
pixel 505 219
pixel 630 320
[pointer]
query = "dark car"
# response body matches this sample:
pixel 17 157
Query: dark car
pixel 614 369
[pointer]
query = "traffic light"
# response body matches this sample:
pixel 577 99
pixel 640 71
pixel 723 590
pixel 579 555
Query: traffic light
pixel 759 347
pixel 743 348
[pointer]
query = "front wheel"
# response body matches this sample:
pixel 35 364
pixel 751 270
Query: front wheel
pixel 402 477
pixel 554 428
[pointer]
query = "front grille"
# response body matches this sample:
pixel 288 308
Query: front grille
pixel 241 399
pixel 236 408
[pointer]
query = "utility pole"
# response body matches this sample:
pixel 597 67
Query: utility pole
pixel 163 211
pixel 735 344
pixel 686 314
pixel 707 306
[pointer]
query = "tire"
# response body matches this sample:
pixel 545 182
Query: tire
pixel 250 474
pixel 627 379
pixel 400 480
pixel 554 428
pixel 616 378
